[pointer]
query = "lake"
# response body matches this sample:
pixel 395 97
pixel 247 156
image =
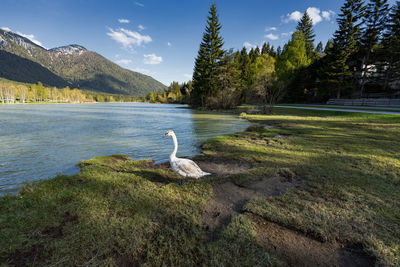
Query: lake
pixel 42 140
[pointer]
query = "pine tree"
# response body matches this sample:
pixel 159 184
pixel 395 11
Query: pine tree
pixel 265 49
pixel 319 48
pixel 207 61
pixel 391 46
pixel 245 79
pixel 376 15
pixel 345 42
pixel 328 46
pixel 252 55
pixel 279 51
pixel 305 27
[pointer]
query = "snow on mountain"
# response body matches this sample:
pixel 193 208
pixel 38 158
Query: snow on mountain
pixel 69 49
pixel 20 40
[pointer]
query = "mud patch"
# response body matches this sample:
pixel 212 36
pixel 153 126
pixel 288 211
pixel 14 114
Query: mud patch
pixel 223 168
pixel 299 250
pixel 228 200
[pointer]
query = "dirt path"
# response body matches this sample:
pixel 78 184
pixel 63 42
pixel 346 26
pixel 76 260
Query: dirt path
pixel 228 200
pixel 294 248
pixel 299 250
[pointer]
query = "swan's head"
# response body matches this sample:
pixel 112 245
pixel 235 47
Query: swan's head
pixel 169 133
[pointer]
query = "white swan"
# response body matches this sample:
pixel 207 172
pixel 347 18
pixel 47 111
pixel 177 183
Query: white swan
pixel 183 167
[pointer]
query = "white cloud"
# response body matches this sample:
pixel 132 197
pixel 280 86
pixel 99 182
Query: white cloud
pixel 294 16
pixel 152 59
pixel 248 45
pixel 139 4
pixel 272 36
pixel 30 37
pixel 124 61
pixel 327 14
pixel 314 14
pixel 128 38
pixel 187 75
pixel 123 20
pixel 6 29
pixel 267 29
pixel 169 44
pixel 141 27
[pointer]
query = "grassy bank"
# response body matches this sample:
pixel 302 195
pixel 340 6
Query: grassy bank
pixel 323 179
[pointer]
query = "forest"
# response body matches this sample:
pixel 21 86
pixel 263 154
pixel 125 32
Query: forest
pixel 16 92
pixel 361 60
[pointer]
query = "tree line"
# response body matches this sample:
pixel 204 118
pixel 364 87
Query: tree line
pixel 362 59
pixel 11 92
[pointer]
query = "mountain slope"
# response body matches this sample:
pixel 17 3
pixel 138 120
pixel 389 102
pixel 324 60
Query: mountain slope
pixel 71 65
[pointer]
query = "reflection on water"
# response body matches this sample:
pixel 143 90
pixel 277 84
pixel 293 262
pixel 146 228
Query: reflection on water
pixel 40 141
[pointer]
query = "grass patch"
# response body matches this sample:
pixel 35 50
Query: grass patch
pixel 351 165
pixel 118 211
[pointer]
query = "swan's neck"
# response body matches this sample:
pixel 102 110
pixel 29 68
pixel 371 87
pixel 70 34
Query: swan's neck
pixel 173 154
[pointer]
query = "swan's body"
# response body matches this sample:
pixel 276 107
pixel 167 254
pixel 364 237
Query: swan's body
pixel 183 167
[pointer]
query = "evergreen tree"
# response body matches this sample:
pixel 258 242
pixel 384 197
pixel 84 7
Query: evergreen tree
pixel 245 79
pixel 257 51
pixel 345 43
pixel 252 55
pixel 376 15
pixel 305 27
pixel 207 61
pixel 319 48
pixel 328 46
pixel 265 49
pixel 229 93
pixel 279 51
pixel 391 46
pixel 272 52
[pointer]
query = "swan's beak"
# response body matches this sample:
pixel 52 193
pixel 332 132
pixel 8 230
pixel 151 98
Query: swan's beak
pixel 165 135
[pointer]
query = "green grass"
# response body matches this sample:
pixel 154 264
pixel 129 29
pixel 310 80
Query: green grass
pixel 118 211
pixel 366 108
pixel 352 167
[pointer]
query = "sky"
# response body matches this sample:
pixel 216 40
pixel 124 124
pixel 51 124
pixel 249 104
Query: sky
pixel 161 38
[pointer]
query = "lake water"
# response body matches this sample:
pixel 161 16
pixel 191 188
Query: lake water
pixel 41 141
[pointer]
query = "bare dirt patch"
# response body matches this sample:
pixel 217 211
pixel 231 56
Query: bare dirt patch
pixel 299 250
pixel 228 200
pixel 223 168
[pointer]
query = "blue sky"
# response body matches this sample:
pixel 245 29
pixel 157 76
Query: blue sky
pixel 160 38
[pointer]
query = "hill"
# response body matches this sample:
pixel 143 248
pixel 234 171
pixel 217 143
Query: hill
pixel 73 65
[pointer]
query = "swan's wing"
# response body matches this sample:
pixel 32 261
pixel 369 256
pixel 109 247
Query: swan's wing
pixel 189 167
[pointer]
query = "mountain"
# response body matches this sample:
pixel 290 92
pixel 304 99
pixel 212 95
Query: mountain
pixel 72 65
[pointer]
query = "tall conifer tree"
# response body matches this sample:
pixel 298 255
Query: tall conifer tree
pixel 305 27
pixel 376 15
pixel 345 42
pixel 391 45
pixel 319 48
pixel 207 61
